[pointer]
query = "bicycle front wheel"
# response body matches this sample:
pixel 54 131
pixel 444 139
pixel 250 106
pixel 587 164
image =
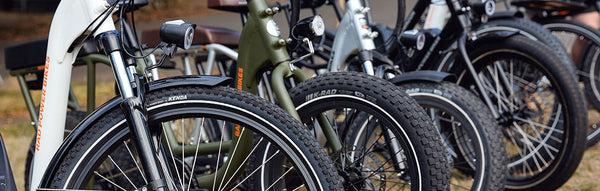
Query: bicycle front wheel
pixel 387 141
pixel 540 106
pixel 205 131
pixel 469 131
pixel 583 42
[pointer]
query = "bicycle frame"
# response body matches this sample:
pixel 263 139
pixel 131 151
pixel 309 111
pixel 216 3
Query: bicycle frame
pixel 447 41
pixel 263 48
pixel 351 38
pixel 63 32
pixel 63 47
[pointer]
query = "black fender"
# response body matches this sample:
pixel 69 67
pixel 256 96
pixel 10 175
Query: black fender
pixel 423 76
pixel 484 38
pixel 490 36
pixel 505 14
pixel 202 81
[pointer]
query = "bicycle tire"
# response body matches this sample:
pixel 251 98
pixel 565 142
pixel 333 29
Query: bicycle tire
pixel 588 63
pixel 461 117
pixel 531 30
pixel 73 118
pixel 222 103
pixel 524 105
pixel 357 94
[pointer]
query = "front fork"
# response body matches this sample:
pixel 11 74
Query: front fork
pixel 131 91
pixel 478 83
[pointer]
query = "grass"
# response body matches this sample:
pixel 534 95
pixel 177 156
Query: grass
pixel 15 124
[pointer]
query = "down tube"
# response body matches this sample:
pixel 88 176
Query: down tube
pixel 65 28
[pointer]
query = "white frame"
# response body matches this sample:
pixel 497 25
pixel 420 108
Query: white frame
pixel 70 21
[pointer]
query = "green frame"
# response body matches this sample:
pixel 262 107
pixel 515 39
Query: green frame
pixel 257 50
pixel 89 60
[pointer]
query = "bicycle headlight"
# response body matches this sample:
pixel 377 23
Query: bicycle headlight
pixel 178 32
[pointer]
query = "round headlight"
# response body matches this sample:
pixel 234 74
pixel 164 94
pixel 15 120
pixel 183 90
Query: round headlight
pixel 317 25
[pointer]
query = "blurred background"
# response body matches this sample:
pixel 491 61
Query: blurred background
pixel 25 20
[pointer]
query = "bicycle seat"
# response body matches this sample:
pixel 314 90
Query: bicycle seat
pixel 33 53
pixel 239 6
pixel 202 35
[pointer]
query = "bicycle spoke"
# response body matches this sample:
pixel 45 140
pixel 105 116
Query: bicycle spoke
pixel 134 161
pixel 218 156
pixel 173 156
pixel 255 170
pixel 196 153
pixel 182 154
pixel 299 187
pixel 98 174
pixel 245 160
pixel 120 170
pixel 379 168
pixel 229 163
pixel 279 179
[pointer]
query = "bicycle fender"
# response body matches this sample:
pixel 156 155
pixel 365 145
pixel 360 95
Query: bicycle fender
pixel 491 36
pixel 206 81
pixel 190 80
pixel 505 14
pixel 427 76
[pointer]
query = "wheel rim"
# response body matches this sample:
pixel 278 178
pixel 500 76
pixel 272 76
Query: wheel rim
pixel 183 164
pixel 383 170
pixel 530 108
pixel 462 144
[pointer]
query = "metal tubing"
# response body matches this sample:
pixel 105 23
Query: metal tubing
pixel 328 131
pixel 28 99
pixel 187 69
pixel 205 148
pixel 120 72
pixel 465 57
pixel 72 103
pixel 277 81
pixel 138 126
pixel 91 86
pixel 210 62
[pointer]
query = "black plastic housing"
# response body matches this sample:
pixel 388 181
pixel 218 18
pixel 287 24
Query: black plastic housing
pixel 178 33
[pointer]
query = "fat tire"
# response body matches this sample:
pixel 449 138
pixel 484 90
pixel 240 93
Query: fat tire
pixel 224 99
pixel 572 100
pixel 486 129
pixel 588 64
pixel 389 98
pixel 531 30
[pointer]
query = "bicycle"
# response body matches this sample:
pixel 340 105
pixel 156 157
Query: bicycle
pixel 578 38
pixel 327 100
pixel 168 102
pixel 238 132
pixel 454 101
pixel 534 117
pixel 449 105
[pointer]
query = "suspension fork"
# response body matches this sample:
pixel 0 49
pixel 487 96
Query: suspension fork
pixel 131 91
